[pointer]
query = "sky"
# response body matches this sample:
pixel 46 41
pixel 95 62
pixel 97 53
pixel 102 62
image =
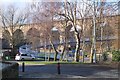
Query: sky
pixel 23 2
pixel 10 1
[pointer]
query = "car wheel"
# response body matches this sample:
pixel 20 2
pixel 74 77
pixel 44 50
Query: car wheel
pixel 33 58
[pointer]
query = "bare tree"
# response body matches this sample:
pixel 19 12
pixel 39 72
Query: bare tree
pixel 70 15
pixel 12 17
pixel 102 11
pixel 70 12
pixel 45 13
pixel 84 12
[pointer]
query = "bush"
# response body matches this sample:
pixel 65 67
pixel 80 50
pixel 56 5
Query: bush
pixel 116 55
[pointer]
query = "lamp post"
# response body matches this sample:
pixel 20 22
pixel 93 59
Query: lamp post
pixel 54 41
pixel 45 51
pixel 101 38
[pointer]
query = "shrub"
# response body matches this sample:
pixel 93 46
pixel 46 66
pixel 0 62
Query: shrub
pixel 115 55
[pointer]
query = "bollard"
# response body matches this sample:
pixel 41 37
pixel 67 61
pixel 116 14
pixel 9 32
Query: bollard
pixel 58 67
pixel 23 67
pixel 119 70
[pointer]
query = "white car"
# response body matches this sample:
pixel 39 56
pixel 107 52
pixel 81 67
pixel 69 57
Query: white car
pixel 24 57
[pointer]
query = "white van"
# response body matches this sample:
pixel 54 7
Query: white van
pixel 24 57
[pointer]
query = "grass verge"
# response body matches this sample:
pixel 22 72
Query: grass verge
pixel 47 62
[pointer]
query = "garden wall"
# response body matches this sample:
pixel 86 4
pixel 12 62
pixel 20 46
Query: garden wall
pixel 11 71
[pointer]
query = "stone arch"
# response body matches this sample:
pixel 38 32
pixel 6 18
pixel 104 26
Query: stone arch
pixel 33 37
pixel 18 37
pixel 6 35
pixel 6 39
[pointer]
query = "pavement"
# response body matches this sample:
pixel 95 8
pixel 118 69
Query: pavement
pixel 45 75
pixel 68 71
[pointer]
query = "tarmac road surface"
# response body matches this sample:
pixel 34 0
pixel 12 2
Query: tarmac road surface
pixel 68 71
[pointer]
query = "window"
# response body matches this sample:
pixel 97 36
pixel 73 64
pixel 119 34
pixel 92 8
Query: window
pixel 23 54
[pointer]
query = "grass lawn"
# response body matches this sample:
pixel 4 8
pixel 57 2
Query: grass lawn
pixel 47 62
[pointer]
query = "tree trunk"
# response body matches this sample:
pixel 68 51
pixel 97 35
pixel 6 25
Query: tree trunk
pixel 49 54
pixel 61 58
pixel 93 49
pixel 77 50
pixel 56 52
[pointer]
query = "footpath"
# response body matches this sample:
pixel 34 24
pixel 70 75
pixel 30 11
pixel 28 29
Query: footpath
pixel 72 71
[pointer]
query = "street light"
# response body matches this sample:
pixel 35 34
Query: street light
pixel 54 40
pixel 54 29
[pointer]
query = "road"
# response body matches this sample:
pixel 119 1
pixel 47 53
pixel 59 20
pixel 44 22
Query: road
pixel 69 71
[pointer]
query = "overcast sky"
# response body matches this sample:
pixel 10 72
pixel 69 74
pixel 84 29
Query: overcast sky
pixel 22 3
pixel 11 1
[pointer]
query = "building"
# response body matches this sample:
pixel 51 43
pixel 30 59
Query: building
pixel 107 34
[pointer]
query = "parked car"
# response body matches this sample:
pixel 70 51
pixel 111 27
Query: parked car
pixel 24 57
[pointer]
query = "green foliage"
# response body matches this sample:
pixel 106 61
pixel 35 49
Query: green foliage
pixel 115 55
pixel 48 62
pixel 85 54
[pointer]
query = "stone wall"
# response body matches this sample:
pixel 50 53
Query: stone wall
pixel 11 71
